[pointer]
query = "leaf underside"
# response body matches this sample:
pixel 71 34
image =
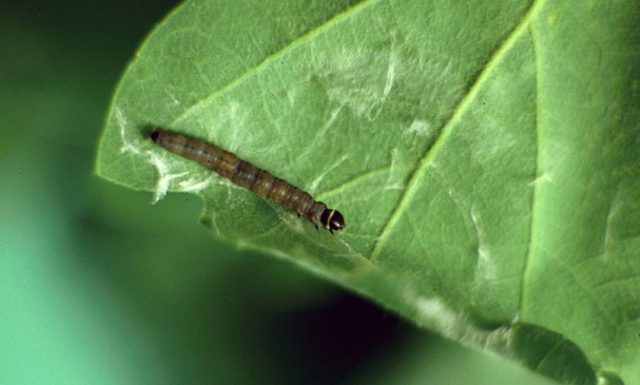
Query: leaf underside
pixel 486 156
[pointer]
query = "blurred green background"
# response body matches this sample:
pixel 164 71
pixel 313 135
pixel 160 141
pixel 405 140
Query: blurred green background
pixel 97 286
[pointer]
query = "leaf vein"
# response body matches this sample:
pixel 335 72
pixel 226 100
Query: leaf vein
pixel 460 108
pixel 536 181
pixel 349 12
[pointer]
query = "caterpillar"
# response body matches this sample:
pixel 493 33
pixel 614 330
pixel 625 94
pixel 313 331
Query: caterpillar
pixel 246 175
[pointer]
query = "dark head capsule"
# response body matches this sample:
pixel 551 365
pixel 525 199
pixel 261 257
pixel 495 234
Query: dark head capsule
pixel 332 220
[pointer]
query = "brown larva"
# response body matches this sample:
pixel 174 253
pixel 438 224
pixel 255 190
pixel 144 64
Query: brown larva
pixel 245 174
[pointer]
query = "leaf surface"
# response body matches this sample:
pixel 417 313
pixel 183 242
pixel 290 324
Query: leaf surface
pixel 486 156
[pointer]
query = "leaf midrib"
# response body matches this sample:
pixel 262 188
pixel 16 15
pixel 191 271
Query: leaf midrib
pixel 460 108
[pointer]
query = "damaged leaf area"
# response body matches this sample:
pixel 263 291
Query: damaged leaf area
pixel 485 155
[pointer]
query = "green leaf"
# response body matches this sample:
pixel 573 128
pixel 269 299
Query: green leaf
pixel 485 154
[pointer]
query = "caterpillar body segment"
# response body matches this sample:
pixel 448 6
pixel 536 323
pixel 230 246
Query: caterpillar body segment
pixel 246 175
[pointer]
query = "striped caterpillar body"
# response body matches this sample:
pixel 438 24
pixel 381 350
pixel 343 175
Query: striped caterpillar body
pixel 245 174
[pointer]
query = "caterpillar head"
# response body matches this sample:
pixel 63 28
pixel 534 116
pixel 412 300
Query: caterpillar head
pixel 332 220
